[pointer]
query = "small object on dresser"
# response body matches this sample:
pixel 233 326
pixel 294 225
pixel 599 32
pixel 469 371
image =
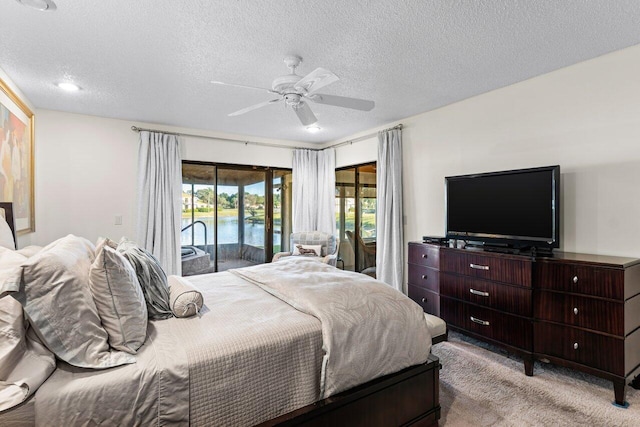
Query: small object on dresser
pixel 438 240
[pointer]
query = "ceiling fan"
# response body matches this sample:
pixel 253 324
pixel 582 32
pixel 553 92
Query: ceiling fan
pixel 295 91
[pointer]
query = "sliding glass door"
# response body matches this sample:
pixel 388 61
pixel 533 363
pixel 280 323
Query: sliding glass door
pixel 356 217
pixel 237 215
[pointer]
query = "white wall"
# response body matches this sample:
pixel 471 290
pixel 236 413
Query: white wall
pixel 359 152
pixel 86 170
pixel 586 118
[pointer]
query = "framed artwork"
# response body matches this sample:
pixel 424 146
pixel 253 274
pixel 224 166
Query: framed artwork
pixel 16 158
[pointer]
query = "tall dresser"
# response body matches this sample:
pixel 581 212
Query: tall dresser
pixel 576 310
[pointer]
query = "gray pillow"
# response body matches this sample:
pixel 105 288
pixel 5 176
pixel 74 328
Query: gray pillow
pixel 152 278
pixel 55 295
pixel 119 299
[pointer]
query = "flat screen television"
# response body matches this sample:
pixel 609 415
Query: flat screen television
pixel 516 208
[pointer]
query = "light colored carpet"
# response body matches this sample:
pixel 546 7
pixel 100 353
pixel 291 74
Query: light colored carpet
pixel 485 386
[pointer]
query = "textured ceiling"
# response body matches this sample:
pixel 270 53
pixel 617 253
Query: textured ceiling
pixel 153 60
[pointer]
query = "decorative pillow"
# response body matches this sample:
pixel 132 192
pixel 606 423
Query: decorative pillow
pixel 152 278
pixel 24 362
pixel 307 250
pixel 29 251
pixel 10 271
pixel 6 236
pixel 119 299
pixel 55 295
pixel 186 301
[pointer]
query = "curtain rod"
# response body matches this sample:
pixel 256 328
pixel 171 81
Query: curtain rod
pixel 266 144
pixel 363 137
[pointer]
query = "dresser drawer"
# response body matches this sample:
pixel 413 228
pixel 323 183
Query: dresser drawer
pixel 585 312
pixel 496 267
pixel 591 349
pixel 424 254
pixel 424 277
pixel 512 330
pixel 507 298
pixel 429 301
pixel 589 280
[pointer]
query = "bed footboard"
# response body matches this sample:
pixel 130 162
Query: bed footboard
pixel 407 398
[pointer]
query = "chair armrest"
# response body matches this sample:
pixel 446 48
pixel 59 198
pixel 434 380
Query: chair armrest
pixel 330 259
pixel 279 255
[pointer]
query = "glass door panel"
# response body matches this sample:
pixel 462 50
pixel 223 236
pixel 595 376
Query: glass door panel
pixel 367 216
pixel 198 219
pixel 241 228
pixel 281 210
pixel 346 217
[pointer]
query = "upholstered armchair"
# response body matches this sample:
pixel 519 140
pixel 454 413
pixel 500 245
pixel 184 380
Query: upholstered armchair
pixel 328 243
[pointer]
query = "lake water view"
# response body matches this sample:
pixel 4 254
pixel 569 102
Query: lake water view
pixel 227 232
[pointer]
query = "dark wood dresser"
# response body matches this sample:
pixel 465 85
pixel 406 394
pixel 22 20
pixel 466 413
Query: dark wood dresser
pixel 587 315
pixel 489 296
pixel 576 310
pixel 423 272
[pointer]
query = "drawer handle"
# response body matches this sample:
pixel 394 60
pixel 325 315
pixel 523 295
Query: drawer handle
pixel 479 267
pixel 424 300
pixel 480 293
pixel 575 345
pixel 424 276
pixel 479 321
pixel 575 311
pixel 575 279
pixel 424 255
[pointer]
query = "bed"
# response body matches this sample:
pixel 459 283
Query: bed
pixel 263 350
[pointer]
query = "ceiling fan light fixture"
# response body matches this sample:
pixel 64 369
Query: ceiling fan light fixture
pixel 314 128
pixel 42 5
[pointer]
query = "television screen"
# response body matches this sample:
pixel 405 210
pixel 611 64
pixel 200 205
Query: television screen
pixel 517 208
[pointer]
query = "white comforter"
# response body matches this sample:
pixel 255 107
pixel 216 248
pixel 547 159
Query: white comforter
pixel 368 328
pixel 249 357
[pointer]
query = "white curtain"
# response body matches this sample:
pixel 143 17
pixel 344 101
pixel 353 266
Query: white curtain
pixel 389 229
pixel 305 190
pixel 327 191
pixel 314 183
pixel 159 193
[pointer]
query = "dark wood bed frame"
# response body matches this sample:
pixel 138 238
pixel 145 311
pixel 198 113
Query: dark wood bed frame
pixel 8 212
pixel 407 398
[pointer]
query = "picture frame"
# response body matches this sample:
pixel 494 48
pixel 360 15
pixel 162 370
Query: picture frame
pixel 17 134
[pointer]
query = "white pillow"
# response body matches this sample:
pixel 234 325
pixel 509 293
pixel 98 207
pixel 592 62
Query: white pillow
pixel 6 236
pixel 185 300
pixel 119 300
pixel 317 250
pixel 10 270
pixel 55 295
pixel 29 251
pixel 24 362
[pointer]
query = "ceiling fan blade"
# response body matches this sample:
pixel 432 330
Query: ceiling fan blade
pixel 305 114
pixel 254 107
pixel 315 80
pixel 215 82
pixel 342 101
